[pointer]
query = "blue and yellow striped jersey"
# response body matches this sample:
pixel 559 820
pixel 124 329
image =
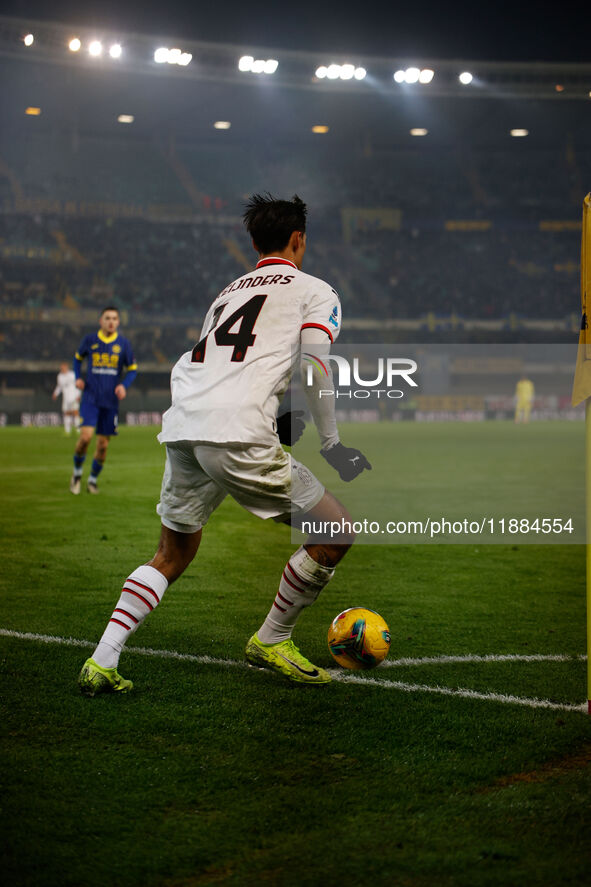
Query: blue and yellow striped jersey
pixel 108 357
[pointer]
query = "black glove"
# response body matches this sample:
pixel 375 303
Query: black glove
pixel 290 427
pixel 348 461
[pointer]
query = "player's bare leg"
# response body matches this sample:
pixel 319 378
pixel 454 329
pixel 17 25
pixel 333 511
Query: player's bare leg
pixel 100 454
pixel 175 552
pixel 306 573
pixel 86 433
pixel 142 592
pixel 329 510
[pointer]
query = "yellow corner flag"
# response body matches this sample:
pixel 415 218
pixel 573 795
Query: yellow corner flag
pixel 582 382
pixel 582 391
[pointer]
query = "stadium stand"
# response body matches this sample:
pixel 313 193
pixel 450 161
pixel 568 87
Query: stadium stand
pixel 464 236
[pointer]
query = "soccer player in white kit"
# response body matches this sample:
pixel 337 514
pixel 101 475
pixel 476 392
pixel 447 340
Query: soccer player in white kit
pixel 66 386
pixel 222 437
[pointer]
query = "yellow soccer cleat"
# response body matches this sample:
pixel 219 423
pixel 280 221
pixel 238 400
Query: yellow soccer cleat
pixel 93 679
pixel 287 660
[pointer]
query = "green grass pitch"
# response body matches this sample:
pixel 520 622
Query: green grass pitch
pixel 213 773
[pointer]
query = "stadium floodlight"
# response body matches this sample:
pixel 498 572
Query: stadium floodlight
pixel 400 76
pixel 519 133
pixel 95 48
pixel 125 118
pixel 346 71
pixel 222 124
pixel 465 78
pixel 419 131
pixel 115 51
pixel 32 112
pixel 426 75
pixel 411 75
pixel 257 66
pixel 74 44
pixel 28 39
pixel 320 129
pixel 173 56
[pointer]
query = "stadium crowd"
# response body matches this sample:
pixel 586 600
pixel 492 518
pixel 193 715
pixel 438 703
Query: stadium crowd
pixel 462 242
pixel 168 268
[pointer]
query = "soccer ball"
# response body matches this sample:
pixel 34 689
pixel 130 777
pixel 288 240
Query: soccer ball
pixel 358 638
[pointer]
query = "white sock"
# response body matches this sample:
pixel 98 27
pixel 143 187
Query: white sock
pixel 302 581
pixel 142 591
pixel 67 424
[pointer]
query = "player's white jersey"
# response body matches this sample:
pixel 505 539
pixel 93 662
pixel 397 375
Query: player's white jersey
pixel 66 386
pixel 228 389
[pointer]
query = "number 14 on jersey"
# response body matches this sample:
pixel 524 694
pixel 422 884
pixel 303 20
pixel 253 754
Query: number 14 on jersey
pixel 241 339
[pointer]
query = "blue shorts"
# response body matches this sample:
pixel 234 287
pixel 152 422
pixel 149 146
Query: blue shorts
pixel 103 419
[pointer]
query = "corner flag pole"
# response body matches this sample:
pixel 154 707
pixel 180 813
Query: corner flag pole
pixel 582 391
pixel 588 540
pixel 586 291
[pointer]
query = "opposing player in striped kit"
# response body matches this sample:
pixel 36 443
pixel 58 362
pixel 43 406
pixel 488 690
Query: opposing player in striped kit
pixel 111 368
pixel 222 436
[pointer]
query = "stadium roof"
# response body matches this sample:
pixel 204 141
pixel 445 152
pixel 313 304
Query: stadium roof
pixel 296 69
pixel 80 93
pixel 500 31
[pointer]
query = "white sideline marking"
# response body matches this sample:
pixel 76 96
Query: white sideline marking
pixel 143 651
pixel 351 678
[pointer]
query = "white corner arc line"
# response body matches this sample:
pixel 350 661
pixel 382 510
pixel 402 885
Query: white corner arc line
pixel 488 657
pixel 465 693
pixel 339 676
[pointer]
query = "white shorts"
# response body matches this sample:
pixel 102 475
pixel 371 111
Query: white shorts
pixel 70 405
pixel 265 480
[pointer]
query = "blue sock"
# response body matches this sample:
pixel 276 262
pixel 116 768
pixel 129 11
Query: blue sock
pixel 78 463
pixel 95 470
